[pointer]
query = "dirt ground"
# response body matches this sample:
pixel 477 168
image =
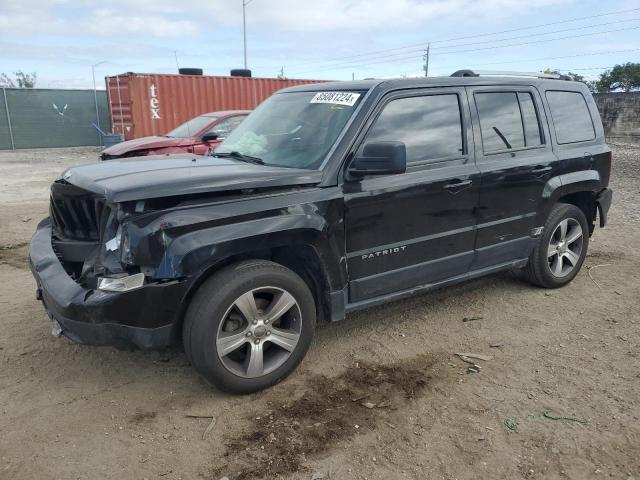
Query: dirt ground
pixel 379 396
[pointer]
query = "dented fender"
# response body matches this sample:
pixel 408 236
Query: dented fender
pixel 187 241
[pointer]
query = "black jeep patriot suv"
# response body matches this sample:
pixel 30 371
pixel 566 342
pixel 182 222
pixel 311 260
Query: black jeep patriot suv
pixel 327 199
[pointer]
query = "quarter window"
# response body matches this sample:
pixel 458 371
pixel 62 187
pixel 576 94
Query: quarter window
pixel 571 117
pixel 430 127
pixel 530 122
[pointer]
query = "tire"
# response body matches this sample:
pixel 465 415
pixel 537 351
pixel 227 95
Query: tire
pixel 464 73
pixel 190 71
pixel 240 72
pixel 543 268
pixel 249 326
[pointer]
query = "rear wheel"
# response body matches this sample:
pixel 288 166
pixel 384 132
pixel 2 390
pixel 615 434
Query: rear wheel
pixel 249 326
pixel 561 249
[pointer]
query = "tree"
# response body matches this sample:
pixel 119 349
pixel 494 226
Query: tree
pixel 624 77
pixel 5 81
pixel 22 80
pixel 576 77
pixel 573 76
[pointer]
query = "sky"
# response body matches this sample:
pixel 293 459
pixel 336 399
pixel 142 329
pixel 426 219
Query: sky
pixel 332 39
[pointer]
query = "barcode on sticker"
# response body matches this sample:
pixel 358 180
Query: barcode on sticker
pixel 337 98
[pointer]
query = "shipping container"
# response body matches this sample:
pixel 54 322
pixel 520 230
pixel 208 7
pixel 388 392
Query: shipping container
pixel 142 104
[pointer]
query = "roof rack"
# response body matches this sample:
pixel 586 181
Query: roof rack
pixel 498 73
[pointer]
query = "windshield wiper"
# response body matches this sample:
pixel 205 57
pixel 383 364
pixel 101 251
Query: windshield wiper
pixel 240 156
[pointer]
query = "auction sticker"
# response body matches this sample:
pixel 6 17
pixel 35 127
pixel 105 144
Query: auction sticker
pixel 337 98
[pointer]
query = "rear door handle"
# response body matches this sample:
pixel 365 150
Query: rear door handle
pixel 457 185
pixel 541 169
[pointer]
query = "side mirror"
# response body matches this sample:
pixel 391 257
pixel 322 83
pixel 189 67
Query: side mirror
pixel 209 137
pixel 380 158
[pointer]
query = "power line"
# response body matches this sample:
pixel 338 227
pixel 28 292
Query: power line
pixel 583 27
pixel 588 68
pixel 526 60
pixel 530 27
pixel 541 41
pixel 585 69
pixel 414 56
pixel 609 52
pixel 403 54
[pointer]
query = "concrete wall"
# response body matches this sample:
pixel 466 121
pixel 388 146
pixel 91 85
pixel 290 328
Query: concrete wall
pixel 620 114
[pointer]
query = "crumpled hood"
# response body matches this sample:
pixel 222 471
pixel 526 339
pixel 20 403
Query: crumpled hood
pixel 147 143
pixel 152 177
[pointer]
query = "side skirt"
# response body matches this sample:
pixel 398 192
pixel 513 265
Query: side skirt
pixel 372 302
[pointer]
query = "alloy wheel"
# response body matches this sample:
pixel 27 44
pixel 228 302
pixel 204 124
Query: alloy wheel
pixel 565 247
pixel 259 332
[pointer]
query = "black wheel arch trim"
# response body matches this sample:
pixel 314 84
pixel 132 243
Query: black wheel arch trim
pixel 209 257
pixel 571 183
pixel 582 181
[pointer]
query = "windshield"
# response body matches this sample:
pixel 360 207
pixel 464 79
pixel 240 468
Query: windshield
pixel 294 129
pixel 193 126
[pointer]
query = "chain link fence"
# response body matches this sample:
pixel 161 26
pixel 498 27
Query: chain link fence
pixel 41 118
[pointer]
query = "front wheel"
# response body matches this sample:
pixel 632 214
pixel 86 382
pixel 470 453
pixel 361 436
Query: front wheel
pixel 561 249
pixel 249 326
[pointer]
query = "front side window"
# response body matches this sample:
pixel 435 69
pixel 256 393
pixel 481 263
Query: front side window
pixel 192 127
pixel 294 129
pixel 571 117
pixel 226 126
pixel 430 127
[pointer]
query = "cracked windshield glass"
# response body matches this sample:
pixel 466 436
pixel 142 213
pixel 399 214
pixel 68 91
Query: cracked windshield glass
pixel 294 130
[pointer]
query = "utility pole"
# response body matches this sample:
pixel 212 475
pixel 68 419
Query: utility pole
pixel 244 28
pixel 426 60
pixel 95 93
pixel 175 54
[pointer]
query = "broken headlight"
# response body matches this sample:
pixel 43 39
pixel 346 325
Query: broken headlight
pixel 120 245
pixel 117 254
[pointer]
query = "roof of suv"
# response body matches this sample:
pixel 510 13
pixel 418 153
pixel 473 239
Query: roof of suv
pixel 430 81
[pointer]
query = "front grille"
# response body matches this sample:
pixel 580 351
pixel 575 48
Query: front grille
pixel 75 213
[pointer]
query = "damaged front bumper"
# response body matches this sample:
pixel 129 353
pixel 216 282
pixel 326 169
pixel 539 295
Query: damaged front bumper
pixel 147 317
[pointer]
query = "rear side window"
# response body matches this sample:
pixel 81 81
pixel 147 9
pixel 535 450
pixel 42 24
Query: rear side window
pixel 571 117
pixel 429 126
pixel 508 120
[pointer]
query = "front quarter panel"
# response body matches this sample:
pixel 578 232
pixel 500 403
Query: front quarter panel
pixel 188 241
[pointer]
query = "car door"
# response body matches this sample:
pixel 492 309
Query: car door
pixel 416 228
pixel 514 155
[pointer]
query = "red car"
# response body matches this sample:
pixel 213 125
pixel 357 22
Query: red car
pixel 197 136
